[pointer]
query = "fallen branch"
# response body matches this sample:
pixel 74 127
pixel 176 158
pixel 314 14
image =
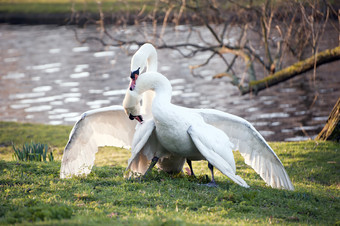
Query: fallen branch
pixel 298 68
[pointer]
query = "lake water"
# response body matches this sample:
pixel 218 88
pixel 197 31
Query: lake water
pixel 46 76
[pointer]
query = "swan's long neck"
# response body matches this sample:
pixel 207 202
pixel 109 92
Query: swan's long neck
pixel 145 56
pixel 156 82
pixel 152 60
pixel 163 94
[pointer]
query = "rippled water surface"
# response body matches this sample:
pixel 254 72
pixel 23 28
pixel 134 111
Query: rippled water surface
pixel 46 76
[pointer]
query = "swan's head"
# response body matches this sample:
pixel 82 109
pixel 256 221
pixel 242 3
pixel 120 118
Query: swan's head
pixel 133 111
pixel 139 118
pixel 131 102
pixel 144 58
pixel 134 75
pixel 141 83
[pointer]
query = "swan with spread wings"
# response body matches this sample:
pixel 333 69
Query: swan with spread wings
pixel 199 134
pixel 109 126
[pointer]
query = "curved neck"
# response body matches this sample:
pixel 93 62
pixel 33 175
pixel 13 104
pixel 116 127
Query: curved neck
pixel 163 94
pixel 152 61
pixel 156 82
pixel 145 56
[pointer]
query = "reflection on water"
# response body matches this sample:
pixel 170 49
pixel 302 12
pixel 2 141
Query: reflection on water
pixel 13 75
pixel 177 81
pixel 47 77
pixel 104 54
pixel 81 67
pixel 26 95
pixel 98 103
pixel 38 108
pixel 80 75
pixel 80 49
pixel 115 92
pixel 42 89
pixel 45 66
pixel 68 84
pixel 274 115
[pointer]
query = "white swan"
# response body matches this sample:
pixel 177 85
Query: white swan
pixel 198 134
pixel 110 126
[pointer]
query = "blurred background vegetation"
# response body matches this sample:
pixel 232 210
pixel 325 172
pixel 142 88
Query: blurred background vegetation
pixel 68 6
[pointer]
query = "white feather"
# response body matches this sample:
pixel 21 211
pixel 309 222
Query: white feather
pixel 102 127
pixel 217 150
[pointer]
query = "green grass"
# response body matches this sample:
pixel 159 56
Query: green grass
pixel 66 6
pixel 32 192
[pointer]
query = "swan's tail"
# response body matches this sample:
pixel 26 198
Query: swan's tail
pixel 238 180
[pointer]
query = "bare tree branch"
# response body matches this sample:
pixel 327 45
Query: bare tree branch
pixel 247 38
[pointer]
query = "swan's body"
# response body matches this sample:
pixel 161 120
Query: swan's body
pixel 110 126
pixel 197 134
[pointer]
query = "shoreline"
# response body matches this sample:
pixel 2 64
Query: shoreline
pixel 123 18
pixel 36 19
pixel 57 18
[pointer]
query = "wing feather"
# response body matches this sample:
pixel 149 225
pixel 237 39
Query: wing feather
pixel 100 127
pixel 146 145
pixel 252 146
pixel 143 147
pixel 210 150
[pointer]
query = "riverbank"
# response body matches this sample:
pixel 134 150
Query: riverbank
pixel 78 12
pixel 62 12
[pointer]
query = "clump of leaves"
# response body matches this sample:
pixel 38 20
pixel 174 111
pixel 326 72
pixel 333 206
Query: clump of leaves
pixel 33 152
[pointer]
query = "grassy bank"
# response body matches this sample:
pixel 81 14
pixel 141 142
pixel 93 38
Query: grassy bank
pixel 33 192
pixel 78 12
pixel 109 6
pixel 70 11
pixel 67 6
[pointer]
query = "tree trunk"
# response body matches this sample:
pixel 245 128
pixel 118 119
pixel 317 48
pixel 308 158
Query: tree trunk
pixel 331 131
pixel 300 67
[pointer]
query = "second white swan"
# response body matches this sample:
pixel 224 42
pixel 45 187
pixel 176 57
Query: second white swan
pixel 198 134
pixel 110 126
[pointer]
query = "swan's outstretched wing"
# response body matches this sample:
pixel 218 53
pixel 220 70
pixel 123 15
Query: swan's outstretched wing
pixel 145 146
pixel 217 149
pixel 252 146
pixel 100 127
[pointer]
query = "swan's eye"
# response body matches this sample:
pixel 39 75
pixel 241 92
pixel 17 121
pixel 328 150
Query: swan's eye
pixel 135 74
pixel 133 81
